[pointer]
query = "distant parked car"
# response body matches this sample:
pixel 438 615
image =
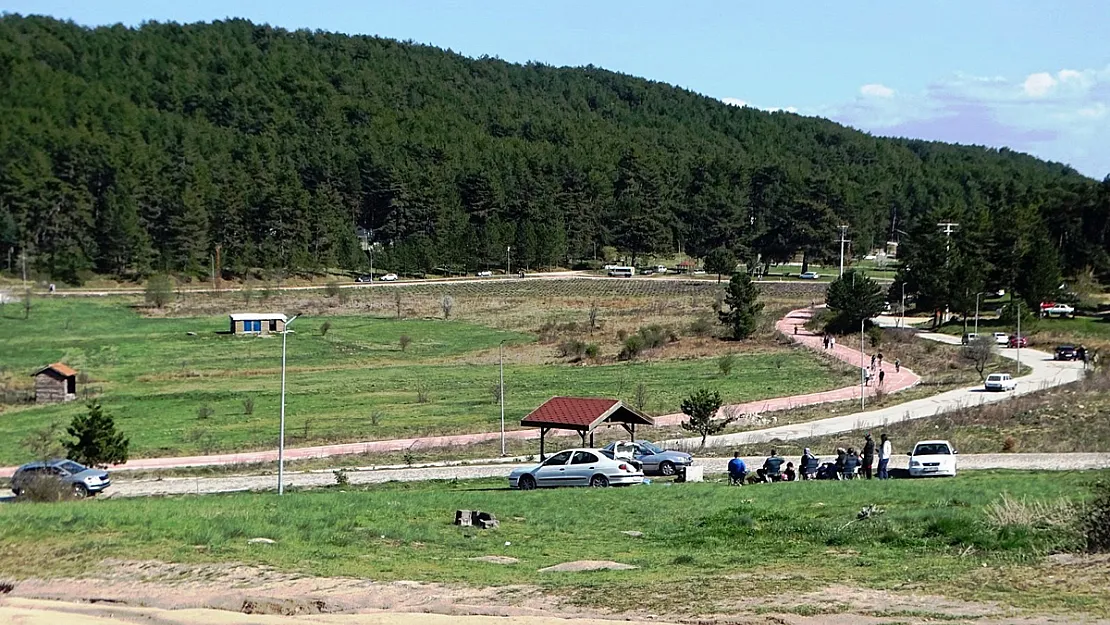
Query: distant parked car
pixel 655 459
pixel 933 458
pixel 969 338
pixel 1000 382
pixel 1019 341
pixel 485 274
pixel 1001 338
pixel 809 275
pixel 577 467
pixel 1058 310
pixel 364 278
pixel 1065 352
pixel 660 269
pixel 83 480
pixel 389 277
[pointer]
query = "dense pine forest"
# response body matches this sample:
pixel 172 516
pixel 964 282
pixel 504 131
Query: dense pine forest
pixel 131 151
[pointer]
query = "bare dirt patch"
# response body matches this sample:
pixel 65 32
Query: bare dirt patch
pixel 588 565
pixel 496 559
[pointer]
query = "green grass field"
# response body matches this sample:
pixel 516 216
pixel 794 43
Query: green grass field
pixel 355 383
pixel 934 536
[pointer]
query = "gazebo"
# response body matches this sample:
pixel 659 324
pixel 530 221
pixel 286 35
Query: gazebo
pixel 583 415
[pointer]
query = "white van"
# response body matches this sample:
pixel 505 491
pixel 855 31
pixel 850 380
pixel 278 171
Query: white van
pixel 617 271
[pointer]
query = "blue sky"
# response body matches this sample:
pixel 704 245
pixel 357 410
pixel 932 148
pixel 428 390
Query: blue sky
pixel 1034 76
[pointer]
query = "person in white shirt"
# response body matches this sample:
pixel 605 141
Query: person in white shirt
pixel 884 457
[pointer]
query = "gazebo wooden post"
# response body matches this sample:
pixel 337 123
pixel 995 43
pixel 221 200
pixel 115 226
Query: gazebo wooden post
pixel 543 433
pixel 582 433
pixel 591 439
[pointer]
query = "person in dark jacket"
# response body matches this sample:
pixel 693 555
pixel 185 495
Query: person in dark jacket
pixel 789 475
pixel 851 463
pixel 868 455
pixel 807 466
pixel 772 468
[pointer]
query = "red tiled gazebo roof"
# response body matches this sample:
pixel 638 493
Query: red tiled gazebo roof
pixel 583 414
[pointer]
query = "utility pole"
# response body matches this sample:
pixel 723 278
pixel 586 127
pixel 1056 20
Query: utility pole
pixel 862 368
pixel 501 392
pixel 949 227
pixel 1017 305
pixel 281 437
pixel 508 260
pixel 843 232
pixel 23 258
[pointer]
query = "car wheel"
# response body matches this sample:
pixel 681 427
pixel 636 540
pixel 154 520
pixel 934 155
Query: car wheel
pixel 80 491
pixel 666 467
pixel 526 482
pixel 599 481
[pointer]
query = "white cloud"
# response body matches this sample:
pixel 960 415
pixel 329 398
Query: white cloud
pixel 1039 84
pixel 1097 111
pixel 734 101
pixel 1067 75
pixel 876 90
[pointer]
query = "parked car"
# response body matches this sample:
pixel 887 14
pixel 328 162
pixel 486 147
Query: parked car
pixel 365 278
pixel 1058 310
pixel 485 274
pixel 654 459
pixel 933 458
pixel 389 277
pixel 1019 341
pixel 1065 352
pixel 577 467
pixel 969 338
pixel 1000 382
pixel 1001 338
pixel 81 479
pixel 809 275
pixel 660 269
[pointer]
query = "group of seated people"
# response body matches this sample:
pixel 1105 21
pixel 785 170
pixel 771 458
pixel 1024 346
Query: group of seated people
pixel 809 467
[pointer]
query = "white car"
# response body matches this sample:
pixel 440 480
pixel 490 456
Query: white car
pixel 577 467
pixel 1059 310
pixel 1000 382
pixel 933 458
pixel 485 274
pixel 1001 338
pixel 809 275
pixel 389 277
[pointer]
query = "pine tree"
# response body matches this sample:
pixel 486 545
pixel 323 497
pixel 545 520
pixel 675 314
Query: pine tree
pixel 855 298
pixel 96 442
pixel 720 261
pixel 742 300
pixel 701 407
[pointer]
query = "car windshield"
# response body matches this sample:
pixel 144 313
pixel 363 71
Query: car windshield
pixel 650 448
pixel 71 467
pixel 932 449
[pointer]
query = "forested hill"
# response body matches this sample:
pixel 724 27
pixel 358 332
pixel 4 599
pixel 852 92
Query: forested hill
pixel 128 151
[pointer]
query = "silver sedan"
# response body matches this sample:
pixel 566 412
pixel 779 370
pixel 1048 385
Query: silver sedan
pixel 577 467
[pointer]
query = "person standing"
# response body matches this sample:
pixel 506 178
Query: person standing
pixel 882 377
pixel 872 362
pixel 832 342
pixel 897 365
pixel 867 377
pixel 868 455
pixel 880 360
pixel 885 452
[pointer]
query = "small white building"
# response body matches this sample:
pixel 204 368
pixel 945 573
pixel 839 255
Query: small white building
pixel 257 323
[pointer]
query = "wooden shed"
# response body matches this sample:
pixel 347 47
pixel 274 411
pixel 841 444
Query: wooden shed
pixel 257 323
pixel 54 384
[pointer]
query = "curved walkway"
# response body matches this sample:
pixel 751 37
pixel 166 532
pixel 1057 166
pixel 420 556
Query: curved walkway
pixel 894 382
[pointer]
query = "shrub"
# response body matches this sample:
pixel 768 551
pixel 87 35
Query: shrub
pixel 1096 520
pixel 248 406
pixel 376 417
pixel 702 326
pixel 96 441
pixel 448 304
pixel 332 289
pixel 421 394
pixel 571 348
pixel 875 336
pixel 633 346
pixel 159 290
pixel 593 351
pixel 622 334
pixel 725 363
pixel 45 489
pixel 404 341
pixel 205 411
pixel 324 327
pixel 341 478
pixel 654 336
pixel 1009 445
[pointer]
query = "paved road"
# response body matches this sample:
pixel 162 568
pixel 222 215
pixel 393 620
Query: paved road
pixel 493 468
pixel 1046 373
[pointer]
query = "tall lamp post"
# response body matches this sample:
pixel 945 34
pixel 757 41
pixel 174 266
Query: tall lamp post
pixel 508 259
pixel 862 367
pixel 501 391
pixel 902 310
pixel 281 437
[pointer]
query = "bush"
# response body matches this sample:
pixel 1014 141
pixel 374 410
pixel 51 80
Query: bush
pixel 571 348
pixel 1096 520
pixel 875 336
pixel 404 341
pixel 45 489
pixel 341 478
pixel 725 363
pixel 248 406
pixel 205 411
pixel 332 289
pixel 159 290
pixel 633 346
pixel 324 327
pixel 593 351
pixel 702 326
pixel 654 336
pixel 1009 445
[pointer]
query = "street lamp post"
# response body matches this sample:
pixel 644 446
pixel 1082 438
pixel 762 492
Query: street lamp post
pixel 1017 309
pixel 976 313
pixel 902 321
pixel 281 437
pixel 508 260
pixel 862 368
pixel 501 391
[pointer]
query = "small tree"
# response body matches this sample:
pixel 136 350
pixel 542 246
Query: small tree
pixel 97 442
pixel 854 298
pixel 640 396
pixel 725 363
pixel 324 327
pixel 742 299
pixel 702 409
pixel 45 443
pixel 27 304
pixel 404 341
pixel 593 316
pixel 979 352
pixel 159 290
pixel 720 261
pixel 331 289
pixel 397 301
pixel 448 304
